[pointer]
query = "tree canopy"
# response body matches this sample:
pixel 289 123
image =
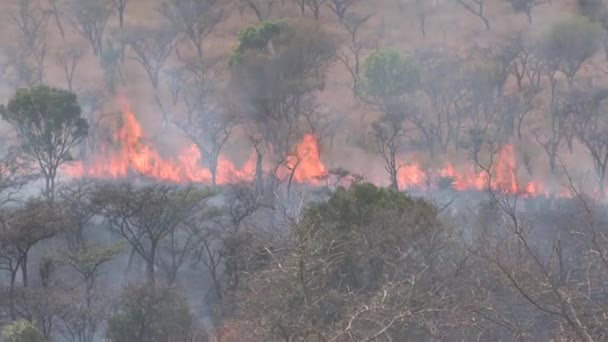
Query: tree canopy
pixel 49 125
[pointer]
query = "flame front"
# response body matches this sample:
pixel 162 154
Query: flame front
pixel 130 154
pixel 501 177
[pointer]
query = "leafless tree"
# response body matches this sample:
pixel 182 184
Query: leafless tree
pixel 32 20
pixel 352 24
pixel 301 5
pixel 56 11
pixel 341 7
pixel 526 6
pixel 90 17
pixel 591 128
pixel 315 7
pixel 476 7
pixel 194 19
pixel 261 8
pixel 388 133
pixel 120 7
pixel 68 59
pixel 152 48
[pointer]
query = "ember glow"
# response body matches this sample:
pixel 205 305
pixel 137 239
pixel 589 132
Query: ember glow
pixel 130 154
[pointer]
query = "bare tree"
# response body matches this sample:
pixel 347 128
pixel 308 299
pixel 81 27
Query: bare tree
pixel 194 19
pixel 207 126
pixel 120 7
pixel 340 7
pixel 68 59
pixel 388 133
pixel 261 8
pixel 526 6
pixel 55 10
pixel 32 21
pixel 315 7
pixel 90 18
pixel 352 24
pixel 476 7
pixel 591 129
pixel 152 48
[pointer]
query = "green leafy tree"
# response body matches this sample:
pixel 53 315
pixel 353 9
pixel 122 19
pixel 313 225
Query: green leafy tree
pixel 569 42
pixel 22 331
pixel 49 125
pixel 150 314
pixel 388 75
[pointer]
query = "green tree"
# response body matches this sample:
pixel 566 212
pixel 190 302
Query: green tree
pixel 49 125
pixel 388 75
pixel 22 331
pixel 150 314
pixel 568 43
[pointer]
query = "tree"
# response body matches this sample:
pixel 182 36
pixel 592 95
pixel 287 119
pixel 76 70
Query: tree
pixel 32 20
pixel 68 59
pixel 149 313
pixel 340 7
pixel 81 318
pixel 591 128
pixel 55 11
pixel 77 197
pixel 476 7
pixel 568 43
pixel 120 7
pixel 49 125
pixel 261 8
pixel 22 331
pixel 206 124
pixel 90 18
pixel 288 59
pixel 387 79
pixel 526 6
pixel 194 19
pixel 152 48
pixel 21 228
pixel 145 216
pixel 352 24
pixel 315 6
pixel 388 133
pixel 323 287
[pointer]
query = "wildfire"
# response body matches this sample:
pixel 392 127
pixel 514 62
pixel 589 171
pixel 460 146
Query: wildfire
pixel 131 154
pixel 501 177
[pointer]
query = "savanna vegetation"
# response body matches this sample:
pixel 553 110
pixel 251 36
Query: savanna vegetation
pixel 352 252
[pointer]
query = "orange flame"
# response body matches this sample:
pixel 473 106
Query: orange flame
pixel 503 176
pixel 132 155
